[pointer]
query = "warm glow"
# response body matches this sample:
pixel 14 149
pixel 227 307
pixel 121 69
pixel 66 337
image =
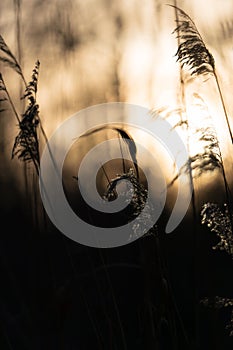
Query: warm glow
pixel 76 274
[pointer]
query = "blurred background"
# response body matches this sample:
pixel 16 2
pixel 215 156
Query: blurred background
pixel 57 294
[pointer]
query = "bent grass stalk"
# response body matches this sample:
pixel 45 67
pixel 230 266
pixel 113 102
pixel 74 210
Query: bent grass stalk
pixel 193 53
pixel 24 138
pixel 31 118
pixel 10 60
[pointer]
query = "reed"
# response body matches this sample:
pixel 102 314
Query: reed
pixel 193 54
pixel 219 221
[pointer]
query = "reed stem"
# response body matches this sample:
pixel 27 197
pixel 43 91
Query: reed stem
pixel 223 104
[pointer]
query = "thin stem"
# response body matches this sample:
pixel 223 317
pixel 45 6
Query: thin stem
pixel 9 99
pixel 108 180
pixel 17 4
pixel 124 343
pixel 223 105
pixel 106 175
pixel 122 155
pixel 83 295
pixel 227 194
pixel 193 198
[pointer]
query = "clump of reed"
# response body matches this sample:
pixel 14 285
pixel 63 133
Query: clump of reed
pixel 136 199
pixel 193 54
pixel 194 57
pixel 26 145
pixel 219 221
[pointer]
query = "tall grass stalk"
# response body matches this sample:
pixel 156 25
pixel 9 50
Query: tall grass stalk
pixel 17 6
pixel 193 53
pixel 184 117
pixel 17 9
pixel 185 125
pixel 27 143
pixel 8 58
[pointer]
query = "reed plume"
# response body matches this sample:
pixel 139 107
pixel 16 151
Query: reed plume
pixel 219 221
pixel 220 303
pixel 8 58
pixel 193 53
pixel 26 145
pixel 209 158
pixel 136 198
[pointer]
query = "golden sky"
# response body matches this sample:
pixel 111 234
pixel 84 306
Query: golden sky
pixel 97 51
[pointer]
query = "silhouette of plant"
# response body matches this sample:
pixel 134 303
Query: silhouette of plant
pixel 219 222
pixel 193 53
